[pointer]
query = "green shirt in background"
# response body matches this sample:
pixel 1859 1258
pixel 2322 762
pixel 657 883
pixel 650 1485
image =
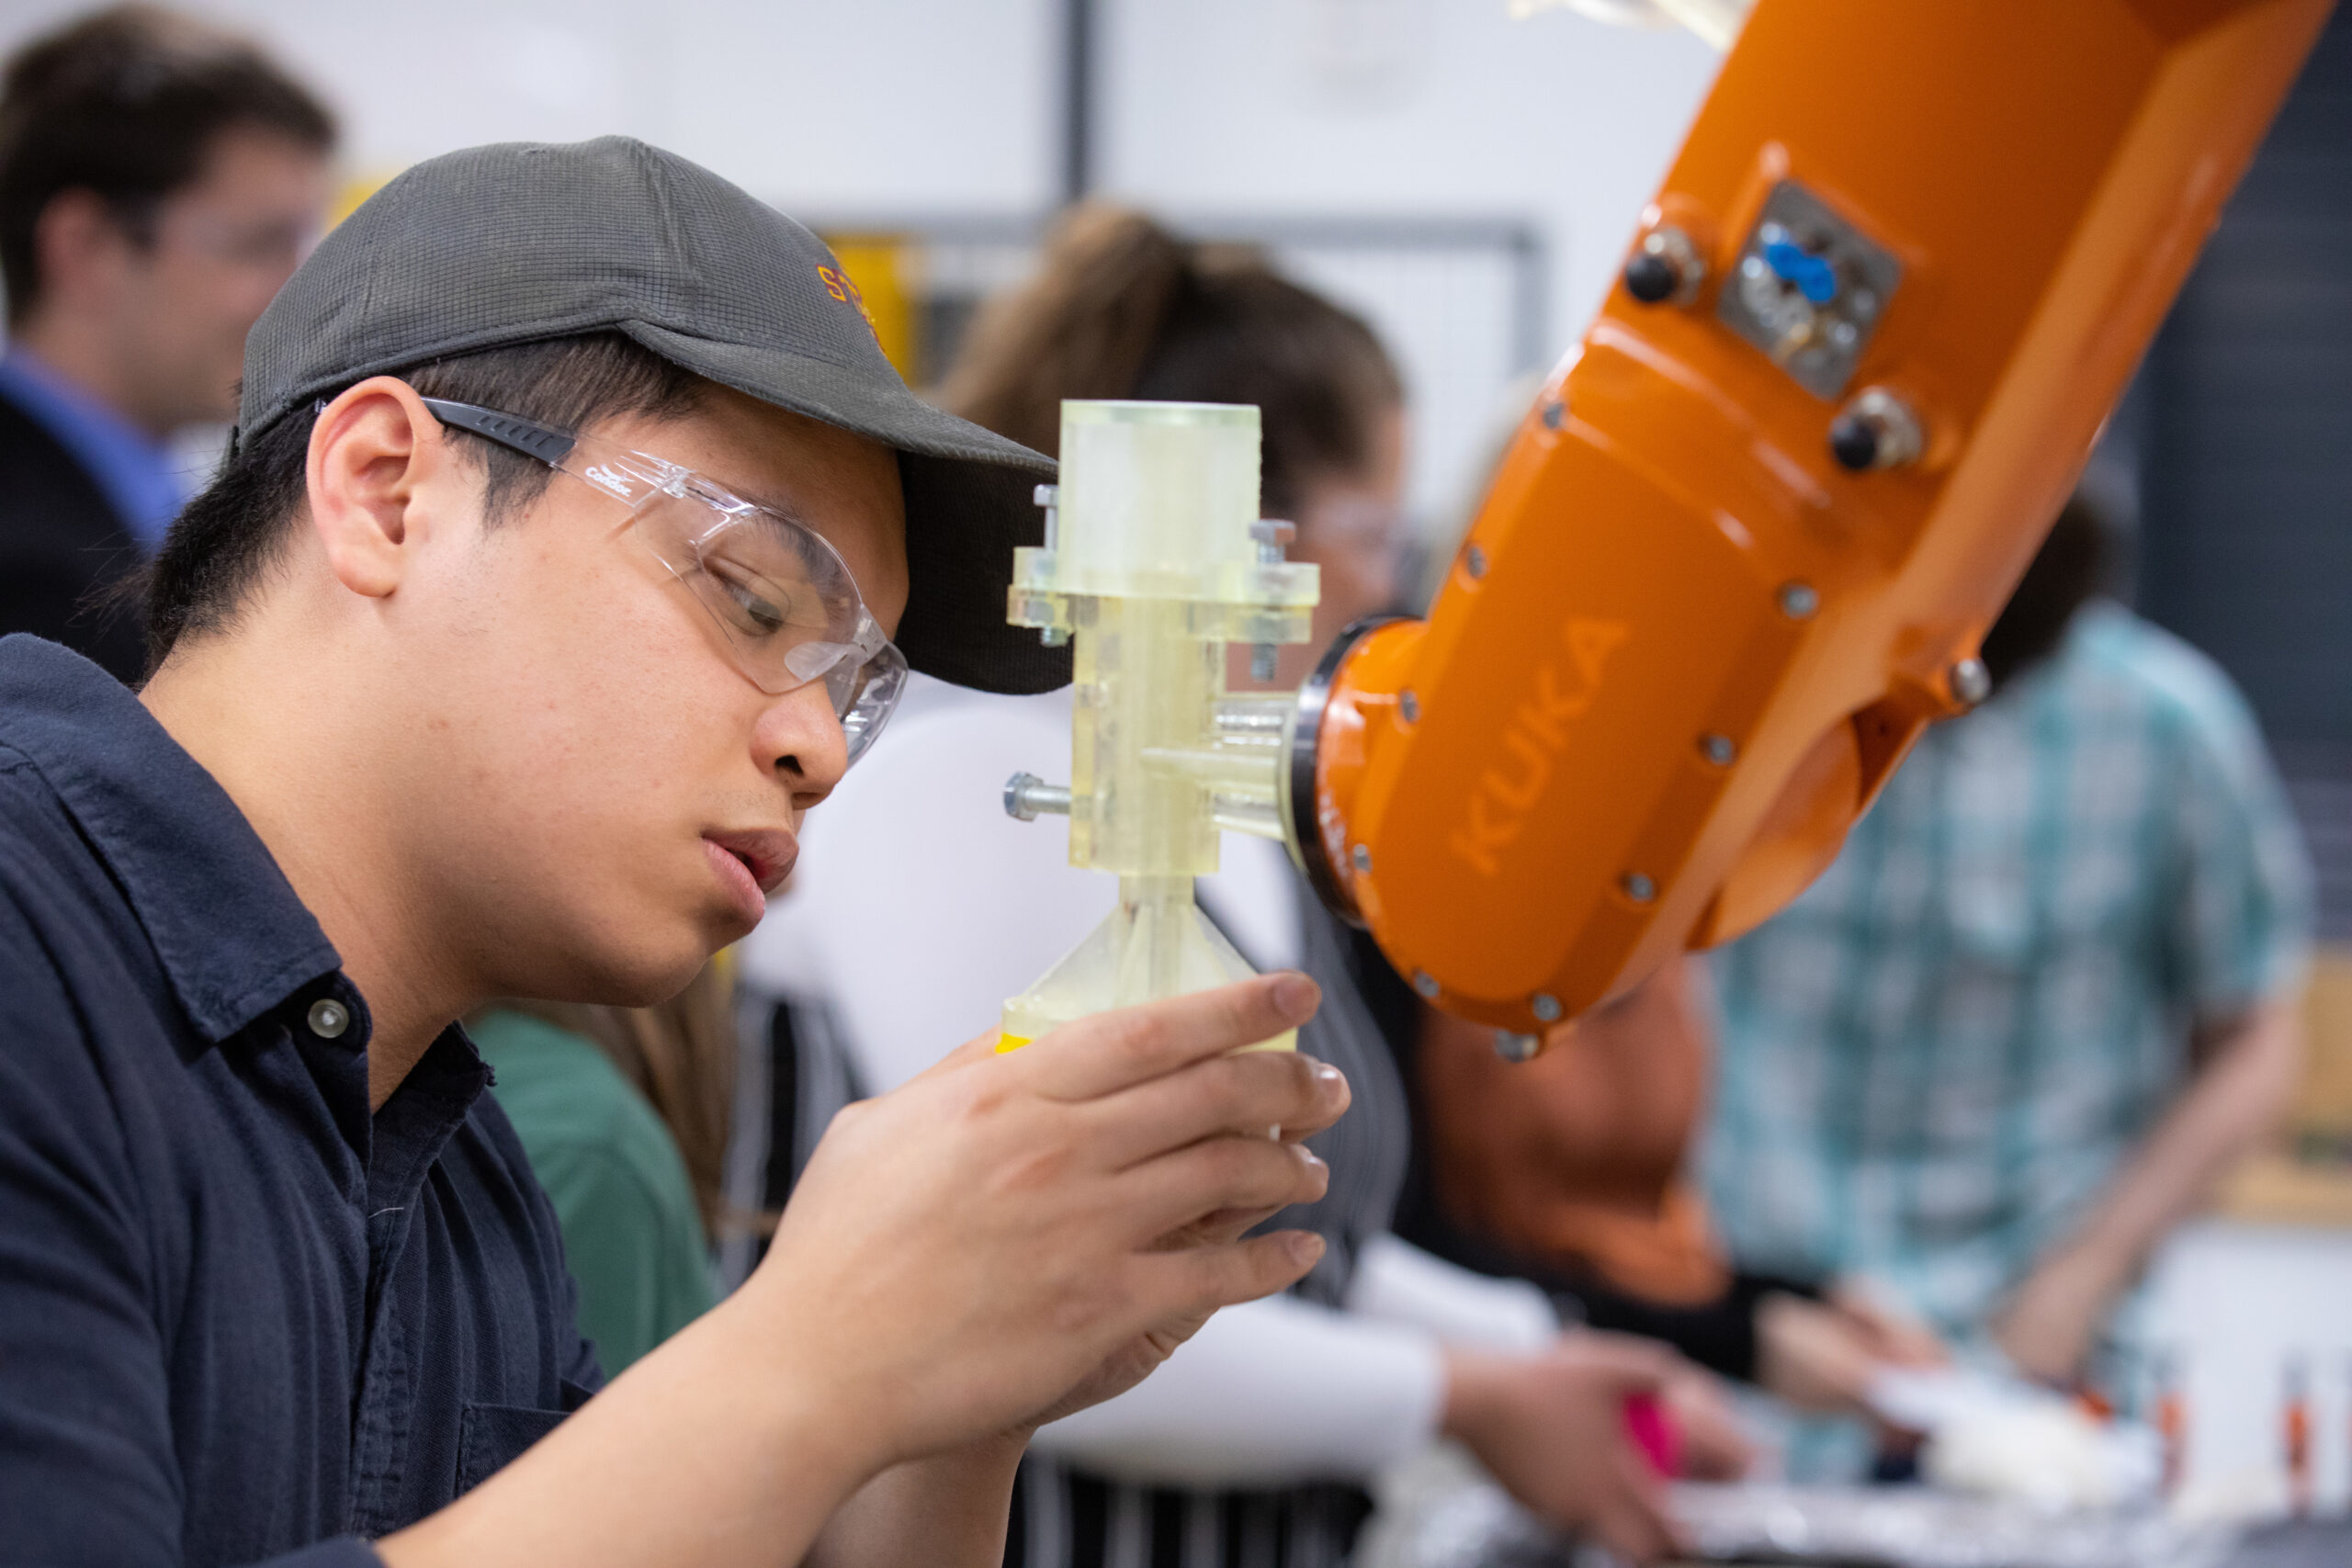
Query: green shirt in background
pixel 631 1233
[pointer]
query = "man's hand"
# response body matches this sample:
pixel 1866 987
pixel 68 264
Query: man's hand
pixel 1007 1238
pixel 1715 1447
pixel 1551 1430
pixel 1823 1355
pixel 961 1254
pixel 2047 1328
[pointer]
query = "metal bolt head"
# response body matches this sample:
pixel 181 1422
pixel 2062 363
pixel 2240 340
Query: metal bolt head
pixel 1876 430
pixel 1513 1047
pixel 1047 495
pixel 1017 805
pixel 1970 681
pixel 1473 561
pixel 1799 600
pixel 1425 983
pixel 1410 706
pixel 1546 1006
pixel 1718 749
pixel 1555 413
pixel 1639 888
pixel 1360 858
pixel 328 1019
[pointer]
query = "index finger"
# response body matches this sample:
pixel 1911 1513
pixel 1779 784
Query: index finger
pixel 1111 1051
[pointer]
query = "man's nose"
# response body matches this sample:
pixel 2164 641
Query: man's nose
pixel 799 736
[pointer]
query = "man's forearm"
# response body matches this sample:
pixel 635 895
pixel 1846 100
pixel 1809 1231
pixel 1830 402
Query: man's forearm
pixel 946 1511
pixel 715 1451
pixel 2249 1077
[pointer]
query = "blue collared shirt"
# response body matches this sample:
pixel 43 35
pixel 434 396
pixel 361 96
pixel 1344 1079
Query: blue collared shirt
pixel 136 473
pixel 241 1318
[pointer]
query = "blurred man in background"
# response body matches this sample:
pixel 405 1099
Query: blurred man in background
pixel 159 180
pixel 2043 998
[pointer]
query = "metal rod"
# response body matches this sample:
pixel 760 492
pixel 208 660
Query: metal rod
pixel 1078 99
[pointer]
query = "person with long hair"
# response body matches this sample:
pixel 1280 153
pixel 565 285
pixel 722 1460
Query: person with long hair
pixel 1255 1444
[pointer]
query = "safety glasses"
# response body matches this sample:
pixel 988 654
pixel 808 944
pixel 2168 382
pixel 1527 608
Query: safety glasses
pixel 781 596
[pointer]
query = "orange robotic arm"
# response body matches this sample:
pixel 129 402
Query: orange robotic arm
pixel 1745 546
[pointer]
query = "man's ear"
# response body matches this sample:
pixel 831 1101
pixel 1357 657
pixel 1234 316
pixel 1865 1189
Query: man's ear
pixel 376 454
pixel 80 249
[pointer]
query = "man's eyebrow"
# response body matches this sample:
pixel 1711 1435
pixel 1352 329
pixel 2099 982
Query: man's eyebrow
pixel 768 500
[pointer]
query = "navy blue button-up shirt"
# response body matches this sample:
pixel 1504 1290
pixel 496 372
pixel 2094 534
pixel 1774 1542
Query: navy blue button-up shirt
pixel 241 1318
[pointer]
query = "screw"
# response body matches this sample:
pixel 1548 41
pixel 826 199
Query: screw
pixel 1555 414
pixel 1513 1047
pixel 1425 983
pixel 1026 795
pixel 1798 601
pixel 1639 888
pixel 1410 706
pixel 1262 662
pixel 1546 1006
pixel 1473 561
pixel 1970 681
pixel 1718 749
pixel 1361 857
pixel 1665 266
pixel 1876 430
pixel 1272 534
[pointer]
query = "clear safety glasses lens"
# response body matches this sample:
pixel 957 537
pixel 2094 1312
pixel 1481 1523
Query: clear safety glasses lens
pixel 781 596
pixel 784 601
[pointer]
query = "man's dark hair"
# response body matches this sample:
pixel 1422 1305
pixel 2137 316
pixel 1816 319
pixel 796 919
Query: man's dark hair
pixel 128 103
pixel 229 537
pixel 2071 567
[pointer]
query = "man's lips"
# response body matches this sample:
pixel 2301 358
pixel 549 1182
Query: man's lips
pixel 766 853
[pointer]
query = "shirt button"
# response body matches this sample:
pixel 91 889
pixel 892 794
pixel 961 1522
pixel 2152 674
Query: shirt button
pixel 329 1018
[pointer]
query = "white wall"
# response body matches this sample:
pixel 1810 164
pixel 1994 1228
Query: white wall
pixel 1396 108
pixel 1403 107
pixel 930 104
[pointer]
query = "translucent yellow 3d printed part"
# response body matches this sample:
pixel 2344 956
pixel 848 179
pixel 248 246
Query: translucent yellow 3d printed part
pixel 1155 559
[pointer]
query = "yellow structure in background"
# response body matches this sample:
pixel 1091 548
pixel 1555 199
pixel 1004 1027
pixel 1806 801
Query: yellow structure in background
pixel 355 189
pixel 2305 1180
pixel 887 269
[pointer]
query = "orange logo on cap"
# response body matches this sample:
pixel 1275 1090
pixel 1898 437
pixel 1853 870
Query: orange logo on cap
pixel 839 285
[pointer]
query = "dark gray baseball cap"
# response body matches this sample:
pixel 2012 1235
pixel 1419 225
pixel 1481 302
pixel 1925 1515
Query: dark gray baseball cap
pixel 521 242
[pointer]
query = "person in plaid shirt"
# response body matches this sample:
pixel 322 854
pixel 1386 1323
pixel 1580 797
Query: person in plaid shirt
pixel 2043 998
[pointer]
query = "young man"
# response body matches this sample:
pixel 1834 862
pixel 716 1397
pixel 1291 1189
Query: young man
pixel 2044 998
pixel 158 182
pixel 549 582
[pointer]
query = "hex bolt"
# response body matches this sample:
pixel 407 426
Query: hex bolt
pixel 1546 1006
pixel 1050 498
pixel 1665 267
pixel 1409 705
pixel 1426 983
pixel 1515 1047
pixel 1273 536
pixel 1798 601
pixel 1718 749
pixel 1970 681
pixel 1026 796
pixel 1875 430
pixel 1473 561
pixel 1360 858
pixel 1639 888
